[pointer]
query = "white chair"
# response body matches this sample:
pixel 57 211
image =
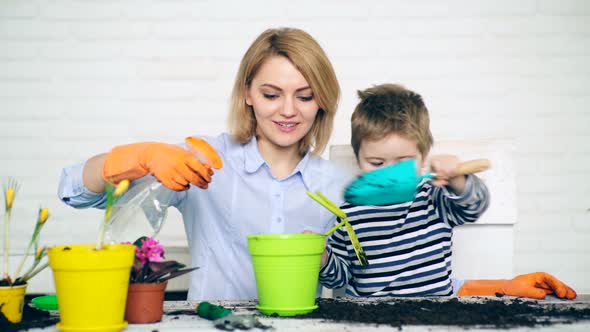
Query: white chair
pixel 483 250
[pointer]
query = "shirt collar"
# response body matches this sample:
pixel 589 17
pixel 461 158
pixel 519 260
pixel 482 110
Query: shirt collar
pixel 253 161
pixel 252 158
pixel 304 169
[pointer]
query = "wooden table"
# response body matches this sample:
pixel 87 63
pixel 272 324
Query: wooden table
pixel 190 323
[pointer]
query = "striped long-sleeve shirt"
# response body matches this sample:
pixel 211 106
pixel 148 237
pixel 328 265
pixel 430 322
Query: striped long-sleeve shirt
pixel 408 245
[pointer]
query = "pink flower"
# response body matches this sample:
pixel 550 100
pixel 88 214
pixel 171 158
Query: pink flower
pixel 139 254
pixel 151 250
pixel 156 254
pixel 149 265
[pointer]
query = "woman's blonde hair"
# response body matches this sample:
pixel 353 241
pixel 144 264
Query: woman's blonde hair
pixel 309 58
pixel 390 109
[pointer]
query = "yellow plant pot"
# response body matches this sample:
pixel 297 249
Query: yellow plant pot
pixel 12 300
pixel 91 286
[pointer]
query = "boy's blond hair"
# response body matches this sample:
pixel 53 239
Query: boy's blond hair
pixel 390 109
pixel 309 58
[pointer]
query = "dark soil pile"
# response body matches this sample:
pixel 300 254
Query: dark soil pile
pixel 4 283
pixel 35 318
pixel 32 318
pixel 175 295
pixel 487 312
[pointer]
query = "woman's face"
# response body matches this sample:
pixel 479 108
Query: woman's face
pixel 283 103
pixel 387 151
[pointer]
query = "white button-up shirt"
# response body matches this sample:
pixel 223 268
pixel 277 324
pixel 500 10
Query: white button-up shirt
pixel 244 198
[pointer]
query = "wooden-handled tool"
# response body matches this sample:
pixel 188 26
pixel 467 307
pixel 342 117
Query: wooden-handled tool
pixel 469 167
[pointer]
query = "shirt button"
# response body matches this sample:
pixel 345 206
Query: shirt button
pixel 279 219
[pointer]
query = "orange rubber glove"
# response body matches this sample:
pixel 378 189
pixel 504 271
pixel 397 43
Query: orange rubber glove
pixel 170 164
pixel 534 285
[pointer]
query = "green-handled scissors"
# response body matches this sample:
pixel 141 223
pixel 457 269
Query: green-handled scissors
pixel 328 204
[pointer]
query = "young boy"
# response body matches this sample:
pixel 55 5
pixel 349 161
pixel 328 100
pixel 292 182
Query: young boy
pixel 408 244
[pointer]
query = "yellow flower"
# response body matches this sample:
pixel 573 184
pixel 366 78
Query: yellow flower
pixel 10 190
pixel 40 253
pixel 121 187
pixel 43 215
pixel 9 198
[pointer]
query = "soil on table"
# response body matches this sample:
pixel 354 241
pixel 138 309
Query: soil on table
pixel 35 318
pixel 32 318
pixel 484 312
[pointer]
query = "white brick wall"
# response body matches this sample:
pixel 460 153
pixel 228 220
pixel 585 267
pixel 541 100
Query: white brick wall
pixel 77 77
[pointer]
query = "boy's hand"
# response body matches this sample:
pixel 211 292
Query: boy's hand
pixel 445 167
pixel 534 285
pixel 325 253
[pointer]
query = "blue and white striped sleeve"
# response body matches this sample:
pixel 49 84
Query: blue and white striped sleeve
pixel 465 208
pixel 335 272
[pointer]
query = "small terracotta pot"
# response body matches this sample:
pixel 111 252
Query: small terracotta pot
pixel 145 303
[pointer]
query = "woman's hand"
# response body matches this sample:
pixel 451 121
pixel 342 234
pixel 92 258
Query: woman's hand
pixel 170 164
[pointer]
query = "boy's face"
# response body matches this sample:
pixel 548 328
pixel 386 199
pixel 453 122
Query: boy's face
pixel 387 151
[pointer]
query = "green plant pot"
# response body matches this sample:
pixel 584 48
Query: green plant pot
pixel 286 267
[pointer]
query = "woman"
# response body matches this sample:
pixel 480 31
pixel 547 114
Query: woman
pixel 282 111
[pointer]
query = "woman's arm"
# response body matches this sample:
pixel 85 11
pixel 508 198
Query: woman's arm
pixel 92 173
pixel 83 185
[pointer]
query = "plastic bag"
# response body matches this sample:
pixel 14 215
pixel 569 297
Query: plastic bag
pixel 141 211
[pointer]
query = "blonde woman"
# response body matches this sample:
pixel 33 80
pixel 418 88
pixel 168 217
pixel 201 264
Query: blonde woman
pixel 282 110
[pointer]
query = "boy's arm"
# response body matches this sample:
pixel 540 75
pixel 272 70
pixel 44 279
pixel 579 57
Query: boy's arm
pixel 457 209
pixel 335 271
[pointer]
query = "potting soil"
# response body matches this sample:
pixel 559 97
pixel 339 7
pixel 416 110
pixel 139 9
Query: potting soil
pixel 32 318
pixel 485 312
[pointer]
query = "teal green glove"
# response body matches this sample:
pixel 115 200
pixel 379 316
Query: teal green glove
pixel 387 185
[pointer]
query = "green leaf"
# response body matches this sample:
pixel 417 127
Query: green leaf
pixel 177 274
pixel 137 242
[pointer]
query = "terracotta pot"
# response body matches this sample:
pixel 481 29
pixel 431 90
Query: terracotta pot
pixel 145 303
